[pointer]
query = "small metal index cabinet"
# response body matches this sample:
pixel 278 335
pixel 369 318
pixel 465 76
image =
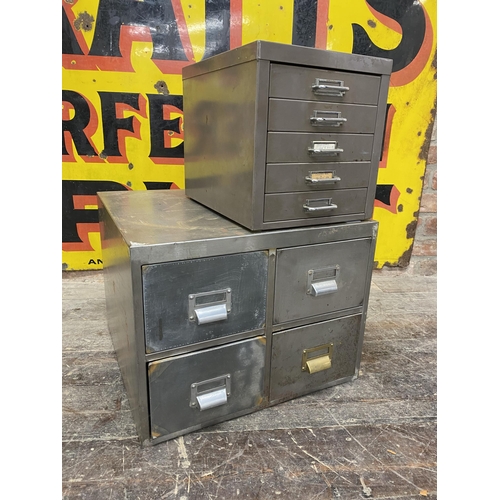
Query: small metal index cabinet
pixel 211 321
pixel 281 136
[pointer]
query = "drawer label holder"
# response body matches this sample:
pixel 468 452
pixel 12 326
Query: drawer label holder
pixel 322 177
pixel 334 88
pixel 209 307
pixel 210 393
pixel 327 118
pixel 324 148
pixel 322 281
pixel 317 363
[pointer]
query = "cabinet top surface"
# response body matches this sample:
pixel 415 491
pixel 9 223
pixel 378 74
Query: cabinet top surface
pixel 290 54
pixel 149 221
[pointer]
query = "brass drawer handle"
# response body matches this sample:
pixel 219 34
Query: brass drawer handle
pixel 317 363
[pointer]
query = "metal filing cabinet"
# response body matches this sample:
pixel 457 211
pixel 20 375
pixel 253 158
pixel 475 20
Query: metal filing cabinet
pixel 211 321
pixel 280 136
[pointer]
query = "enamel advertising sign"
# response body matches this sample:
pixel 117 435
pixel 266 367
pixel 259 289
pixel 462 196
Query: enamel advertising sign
pixel 122 118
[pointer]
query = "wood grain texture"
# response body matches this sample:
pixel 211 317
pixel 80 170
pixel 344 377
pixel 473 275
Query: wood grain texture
pixel 379 430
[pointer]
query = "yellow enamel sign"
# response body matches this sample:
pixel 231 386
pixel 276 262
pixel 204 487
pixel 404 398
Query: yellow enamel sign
pixel 122 123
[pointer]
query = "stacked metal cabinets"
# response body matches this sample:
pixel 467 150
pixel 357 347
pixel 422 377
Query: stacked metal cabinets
pixel 281 136
pixel 211 321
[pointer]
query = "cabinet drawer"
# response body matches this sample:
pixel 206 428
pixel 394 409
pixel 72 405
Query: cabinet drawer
pixel 189 391
pixel 312 84
pixel 309 116
pixel 191 301
pixel 317 279
pixel 289 177
pixel 288 206
pixel 294 147
pixel 311 357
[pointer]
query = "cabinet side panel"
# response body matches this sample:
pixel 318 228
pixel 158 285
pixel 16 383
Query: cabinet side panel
pixel 121 316
pixel 219 156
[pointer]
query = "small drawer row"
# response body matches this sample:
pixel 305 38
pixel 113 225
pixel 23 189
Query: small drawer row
pixel 190 391
pixel 194 301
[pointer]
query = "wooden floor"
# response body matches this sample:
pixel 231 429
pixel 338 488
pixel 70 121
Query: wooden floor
pixel 371 438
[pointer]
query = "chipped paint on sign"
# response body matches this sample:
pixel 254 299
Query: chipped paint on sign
pixel 122 96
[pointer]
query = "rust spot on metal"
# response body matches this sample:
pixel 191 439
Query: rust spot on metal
pixel 161 87
pixel 400 207
pixel 103 155
pixel 411 229
pixel 130 166
pixel 69 1
pixel 84 22
pixel 372 23
pixel 409 190
pixel 330 27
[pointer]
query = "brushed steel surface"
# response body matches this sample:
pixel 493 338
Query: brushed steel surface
pixel 289 380
pixel 285 206
pixel 251 106
pixel 162 232
pixel 296 82
pixel 170 383
pixel 293 265
pixel 295 116
pixel 291 147
pixel 288 177
pixel 168 286
pixel 263 50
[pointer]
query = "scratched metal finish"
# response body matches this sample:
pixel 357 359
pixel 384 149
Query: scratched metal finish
pixel 380 429
pixel 167 286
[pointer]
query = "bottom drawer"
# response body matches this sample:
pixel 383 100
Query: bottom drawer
pixel 304 205
pixel 191 391
pixel 311 357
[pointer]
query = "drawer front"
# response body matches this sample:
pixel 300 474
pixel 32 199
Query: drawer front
pixel 309 116
pixel 294 147
pixel 290 177
pixel 197 388
pixel 312 84
pixel 310 357
pixel 191 301
pixel 317 279
pixel 288 206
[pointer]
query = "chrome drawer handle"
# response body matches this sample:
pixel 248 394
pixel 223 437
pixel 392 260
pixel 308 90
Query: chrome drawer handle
pixel 328 206
pixel 205 395
pixel 208 307
pixel 335 120
pixel 324 148
pixel 322 178
pixel 322 281
pixel 335 88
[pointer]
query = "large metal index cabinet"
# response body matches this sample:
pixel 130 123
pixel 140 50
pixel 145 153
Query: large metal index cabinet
pixel 211 321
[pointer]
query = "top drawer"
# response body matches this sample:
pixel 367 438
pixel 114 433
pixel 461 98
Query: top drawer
pixel 192 301
pixel 298 82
